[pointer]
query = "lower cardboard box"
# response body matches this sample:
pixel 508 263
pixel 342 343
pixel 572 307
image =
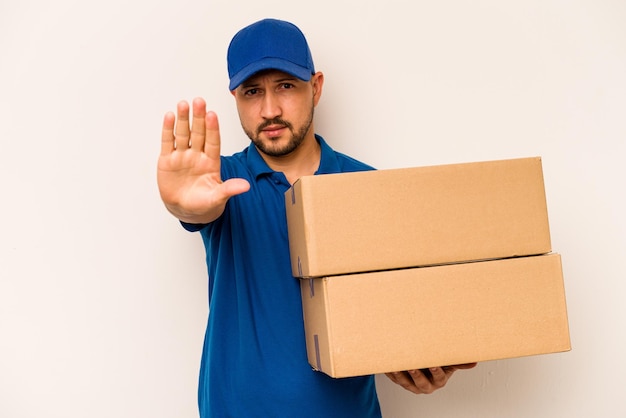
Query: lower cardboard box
pixel 395 320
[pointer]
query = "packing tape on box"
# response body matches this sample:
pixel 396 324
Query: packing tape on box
pixel 318 360
pixel 299 267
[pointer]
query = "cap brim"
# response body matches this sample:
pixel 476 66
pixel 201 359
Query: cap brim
pixel 269 64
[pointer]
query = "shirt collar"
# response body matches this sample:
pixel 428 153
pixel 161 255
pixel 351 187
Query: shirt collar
pixel 328 160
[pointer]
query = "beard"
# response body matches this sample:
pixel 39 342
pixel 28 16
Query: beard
pixel 270 147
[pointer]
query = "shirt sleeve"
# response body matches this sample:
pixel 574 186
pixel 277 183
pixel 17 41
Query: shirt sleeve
pixel 193 227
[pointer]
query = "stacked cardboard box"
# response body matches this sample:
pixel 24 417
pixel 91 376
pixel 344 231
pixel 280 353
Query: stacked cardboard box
pixel 429 266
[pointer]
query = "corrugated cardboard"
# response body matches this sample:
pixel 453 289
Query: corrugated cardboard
pixel 434 316
pixel 389 219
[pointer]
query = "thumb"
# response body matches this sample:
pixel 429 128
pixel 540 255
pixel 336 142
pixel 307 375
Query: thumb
pixel 235 186
pixel 465 366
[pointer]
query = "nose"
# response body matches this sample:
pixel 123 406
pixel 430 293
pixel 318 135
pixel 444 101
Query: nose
pixel 270 107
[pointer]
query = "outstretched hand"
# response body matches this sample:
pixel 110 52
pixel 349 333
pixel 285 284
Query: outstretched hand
pixel 188 170
pixel 426 380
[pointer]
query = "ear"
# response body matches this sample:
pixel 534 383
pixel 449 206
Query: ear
pixel 317 82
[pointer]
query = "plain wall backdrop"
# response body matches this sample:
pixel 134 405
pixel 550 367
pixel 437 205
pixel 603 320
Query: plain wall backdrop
pixel 103 297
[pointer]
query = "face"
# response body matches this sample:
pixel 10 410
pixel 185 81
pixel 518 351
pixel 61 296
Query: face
pixel 276 110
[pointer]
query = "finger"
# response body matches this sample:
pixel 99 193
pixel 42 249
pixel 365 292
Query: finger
pixel 422 381
pixel 440 376
pixel 391 377
pixel 212 141
pixel 400 378
pixel 198 126
pixel 167 133
pixel 182 126
pixel 408 381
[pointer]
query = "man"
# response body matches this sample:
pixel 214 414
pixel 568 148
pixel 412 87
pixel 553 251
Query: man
pixel 254 359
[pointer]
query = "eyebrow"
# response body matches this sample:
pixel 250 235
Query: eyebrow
pixel 252 82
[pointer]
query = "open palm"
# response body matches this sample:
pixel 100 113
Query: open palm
pixel 188 170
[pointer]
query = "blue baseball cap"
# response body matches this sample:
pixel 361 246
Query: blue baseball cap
pixel 268 44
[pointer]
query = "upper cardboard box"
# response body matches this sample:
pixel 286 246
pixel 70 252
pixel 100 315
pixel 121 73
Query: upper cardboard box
pixel 398 218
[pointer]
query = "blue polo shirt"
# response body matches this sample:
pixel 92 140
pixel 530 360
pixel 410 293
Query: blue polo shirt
pixel 254 360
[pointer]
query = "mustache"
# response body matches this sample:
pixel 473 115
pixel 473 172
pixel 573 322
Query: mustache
pixel 274 121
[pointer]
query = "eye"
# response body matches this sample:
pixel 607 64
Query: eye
pixel 251 92
pixel 286 86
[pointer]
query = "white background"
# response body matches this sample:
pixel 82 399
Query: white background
pixel 102 294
